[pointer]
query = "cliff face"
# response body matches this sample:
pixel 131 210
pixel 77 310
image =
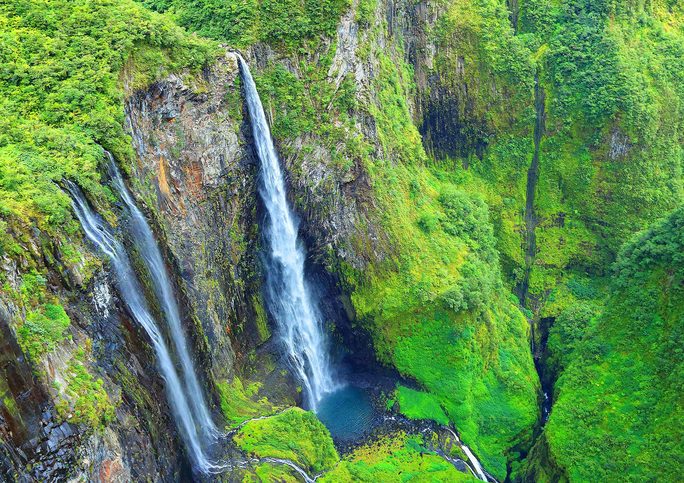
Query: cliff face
pixel 193 168
pixel 99 373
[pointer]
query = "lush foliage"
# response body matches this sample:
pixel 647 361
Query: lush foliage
pixel 294 434
pixel 434 225
pixel 397 458
pixel 291 24
pixel 61 96
pixel 267 472
pixel 619 403
pixel 46 323
pixel 43 329
pixel 611 150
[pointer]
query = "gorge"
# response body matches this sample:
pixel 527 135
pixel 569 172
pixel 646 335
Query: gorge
pixel 341 240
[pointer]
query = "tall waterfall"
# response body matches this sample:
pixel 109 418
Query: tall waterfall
pixel 290 301
pixel 152 258
pixel 132 294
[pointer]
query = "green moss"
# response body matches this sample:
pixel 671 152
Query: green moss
pixel 261 318
pixel 84 399
pixel 43 329
pixel 267 472
pixel 625 422
pixel 398 458
pixel 420 405
pixel 365 12
pixel 294 434
pixel 238 403
pixel 10 405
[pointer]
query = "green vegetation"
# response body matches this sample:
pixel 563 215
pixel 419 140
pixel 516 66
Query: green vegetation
pixel 294 434
pixel 437 309
pixel 619 402
pixel 238 404
pixel 61 98
pixel 43 330
pixel 435 155
pixel 398 458
pixel 46 323
pixel 420 405
pixel 83 399
pixel 293 25
pixel 267 472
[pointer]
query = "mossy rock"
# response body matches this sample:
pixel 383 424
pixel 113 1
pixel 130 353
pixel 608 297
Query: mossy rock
pixel 294 434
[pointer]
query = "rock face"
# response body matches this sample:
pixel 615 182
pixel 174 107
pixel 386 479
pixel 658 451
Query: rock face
pixel 200 182
pixel 38 441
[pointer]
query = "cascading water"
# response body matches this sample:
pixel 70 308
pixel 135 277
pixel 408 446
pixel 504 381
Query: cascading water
pixel 152 258
pixel 290 301
pixel 132 294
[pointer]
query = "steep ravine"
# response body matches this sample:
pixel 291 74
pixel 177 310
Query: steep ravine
pixel 531 217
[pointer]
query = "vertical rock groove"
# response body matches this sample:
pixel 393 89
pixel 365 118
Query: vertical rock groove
pixel 531 219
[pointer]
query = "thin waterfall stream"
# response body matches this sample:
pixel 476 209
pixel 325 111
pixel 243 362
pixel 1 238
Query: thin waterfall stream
pixel 132 294
pixel 152 258
pixel 292 304
pixel 184 394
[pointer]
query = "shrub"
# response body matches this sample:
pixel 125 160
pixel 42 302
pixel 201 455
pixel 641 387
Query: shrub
pixel 43 329
pixel 89 403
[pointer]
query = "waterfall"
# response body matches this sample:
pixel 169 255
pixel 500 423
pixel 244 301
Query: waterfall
pixel 476 468
pixel 290 302
pixel 132 294
pixel 152 258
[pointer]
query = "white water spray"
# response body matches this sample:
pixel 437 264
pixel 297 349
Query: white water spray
pixel 478 471
pixel 289 299
pixel 151 255
pixel 132 294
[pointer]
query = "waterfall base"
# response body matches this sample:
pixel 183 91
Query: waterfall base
pixel 348 413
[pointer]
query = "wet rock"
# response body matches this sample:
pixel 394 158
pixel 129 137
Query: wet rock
pixel 204 186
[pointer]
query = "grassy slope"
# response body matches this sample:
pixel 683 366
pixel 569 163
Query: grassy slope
pixel 398 459
pixel 619 404
pixel 294 434
pixel 622 88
